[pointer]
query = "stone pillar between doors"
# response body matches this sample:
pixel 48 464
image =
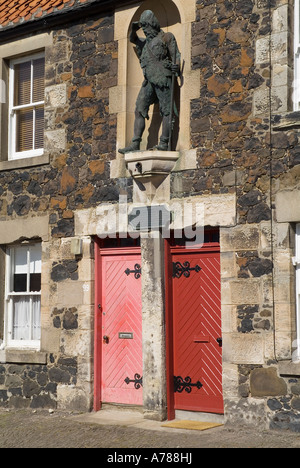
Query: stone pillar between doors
pixel 154 337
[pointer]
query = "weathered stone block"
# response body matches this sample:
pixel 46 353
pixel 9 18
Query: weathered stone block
pixel 261 101
pixel 228 265
pixel 65 270
pixel 56 96
pixel 240 238
pixel 72 398
pixel 245 291
pixel 58 375
pixel 43 401
pixel 288 206
pixel 239 348
pixel 30 388
pixel 260 267
pixel 262 50
pixel 246 411
pixel 70 321
pixel 258 213
pixel 265 382
pixel 12 230
pixel 55 140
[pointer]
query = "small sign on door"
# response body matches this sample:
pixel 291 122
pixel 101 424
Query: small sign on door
pixel 125 336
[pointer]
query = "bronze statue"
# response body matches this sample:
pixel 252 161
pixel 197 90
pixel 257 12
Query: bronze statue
pixel 160 61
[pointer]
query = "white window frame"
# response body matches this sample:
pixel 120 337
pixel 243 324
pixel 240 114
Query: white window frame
pixel 9 342
pixel 12 153
pixel 296 97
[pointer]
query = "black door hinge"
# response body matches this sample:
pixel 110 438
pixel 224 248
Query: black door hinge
pixel 137 271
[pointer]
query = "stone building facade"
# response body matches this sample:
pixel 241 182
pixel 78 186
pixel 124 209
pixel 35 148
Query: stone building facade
pixel 238 160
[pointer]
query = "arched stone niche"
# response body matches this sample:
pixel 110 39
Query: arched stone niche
pixel 175 16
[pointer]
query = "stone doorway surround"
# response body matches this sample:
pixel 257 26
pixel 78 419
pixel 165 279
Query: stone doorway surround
pixel 217 211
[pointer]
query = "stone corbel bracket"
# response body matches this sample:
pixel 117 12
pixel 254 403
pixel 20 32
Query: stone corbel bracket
pixel 149 169
pixel 147 165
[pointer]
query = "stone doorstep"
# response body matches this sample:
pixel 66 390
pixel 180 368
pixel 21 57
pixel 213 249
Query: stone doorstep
pixel 126 419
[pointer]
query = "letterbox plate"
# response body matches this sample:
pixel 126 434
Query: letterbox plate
pixel 125 336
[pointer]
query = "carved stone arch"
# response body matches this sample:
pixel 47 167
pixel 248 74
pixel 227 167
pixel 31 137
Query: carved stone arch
pixel 165 10
pixel 175 16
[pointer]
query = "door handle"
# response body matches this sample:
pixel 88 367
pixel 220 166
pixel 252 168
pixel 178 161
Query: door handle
pixel 220 342
pixel 106 339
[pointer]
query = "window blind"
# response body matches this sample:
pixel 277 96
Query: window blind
pixel 39 128
pixel 38 80
pixel 22 84
pixel 24 130
pixel 28 104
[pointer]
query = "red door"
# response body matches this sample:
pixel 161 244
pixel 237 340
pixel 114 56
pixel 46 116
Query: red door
pixel 119 329
pixel 196 330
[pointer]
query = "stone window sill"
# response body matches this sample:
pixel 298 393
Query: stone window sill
pixel 15 356
pixel 289 368
pixel 24 163
pixel 286 121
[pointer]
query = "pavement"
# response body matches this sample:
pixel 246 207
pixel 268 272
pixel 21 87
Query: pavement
pixel 125 430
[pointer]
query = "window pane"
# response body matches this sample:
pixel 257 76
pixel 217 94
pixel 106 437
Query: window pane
pixel 39 128
pixel 24 130
pixel 35 282
pixel 25 309
pixel 21 318
pixel 36 318
pixel 35 259
pixel 22 83
pixel 26 318
pixel 35 268
pixel 20 265
pixel 20 283
pixel 38 80
pixel 20 270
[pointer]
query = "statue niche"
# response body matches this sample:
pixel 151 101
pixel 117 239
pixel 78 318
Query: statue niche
pixel 160 61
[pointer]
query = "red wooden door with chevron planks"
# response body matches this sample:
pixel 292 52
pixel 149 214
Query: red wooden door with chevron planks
pixel 121 329
pixel 197 335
